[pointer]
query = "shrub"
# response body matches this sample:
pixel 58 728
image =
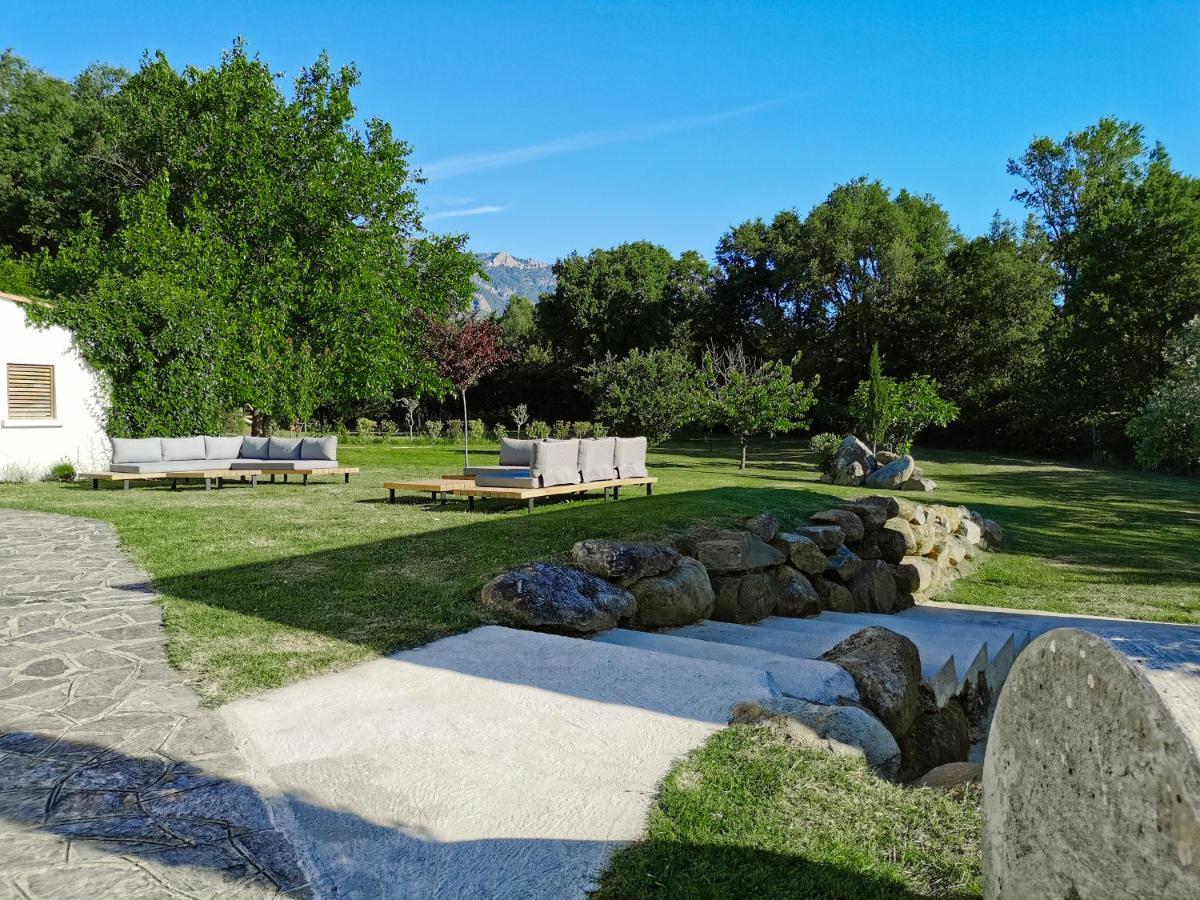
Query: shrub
pixel 581 430
pixel 561 430
pixel 599 430
pixel 454 430
pixel 341 431
pixel 364 428
pixel 653 393
pixel 538 430
pixel 913 405
pixel 16 473
pixel 520 415
pixel 1166 431
pixel 825 445
pixel 499 432
pixel 433 428
pixel 389 428
pixel 62 471
pixel 476 430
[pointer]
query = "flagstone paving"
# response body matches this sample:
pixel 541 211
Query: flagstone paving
pixel 114 782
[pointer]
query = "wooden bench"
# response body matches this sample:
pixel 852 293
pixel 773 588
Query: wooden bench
pixel 460 486
pixel 207 475
pixel 345 471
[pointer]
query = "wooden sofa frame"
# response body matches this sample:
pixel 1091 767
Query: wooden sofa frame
pixel 464 486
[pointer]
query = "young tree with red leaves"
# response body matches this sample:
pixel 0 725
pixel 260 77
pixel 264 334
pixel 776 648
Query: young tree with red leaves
pixel 463 351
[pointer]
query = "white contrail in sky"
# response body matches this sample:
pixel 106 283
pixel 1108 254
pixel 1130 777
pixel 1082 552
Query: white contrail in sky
pixel 455 213
pixel 476 162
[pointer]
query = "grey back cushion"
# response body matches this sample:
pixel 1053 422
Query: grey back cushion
pixel 597 459
pixel 283 448
pixel 514 452
pixel 318 448
pixel 254 447
pixel 555 462
pixel 631 457
pixel 135 450
pixel 183 448
pixel 222 447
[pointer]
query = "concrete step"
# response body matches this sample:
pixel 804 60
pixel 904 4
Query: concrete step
pixel 951 638
pixel 807 679
pixel 809 642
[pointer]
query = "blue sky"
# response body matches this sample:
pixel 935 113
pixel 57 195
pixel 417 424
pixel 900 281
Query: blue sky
pixel 551 127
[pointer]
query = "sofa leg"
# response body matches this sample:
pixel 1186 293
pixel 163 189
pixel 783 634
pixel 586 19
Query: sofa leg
pixel 616 492
pixel 285 477
pixel 470 504
pixel 306 480
pixel 346 475
pixel 125 485
pixel 220 482
pixel 95 484
pixel 253 480
pixel 208 484
pixel 391 495
pixel 649 490
pixel 530 506
pixel 272 478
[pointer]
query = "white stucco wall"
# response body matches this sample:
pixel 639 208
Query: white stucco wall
pixel 77 432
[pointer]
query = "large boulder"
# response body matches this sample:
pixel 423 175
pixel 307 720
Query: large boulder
pixel 851 476
pixel 826 537
pixel 679 597
pixel 841 730
pixel 939 735
pixel 954 776
pixel 873 588
pixel 890 505
pixel 722 552
pixel 833 596
pixel 797 598
pixel 851 525
pixel 842 565
pixel 886 668
pixel 922 485
pixel 872 515
pixel 852 451
pixel 916 574
pixel 745 599
pixel 763 526
pixel 802 552
pixel 992 533
pixel 624 561
pixel 558 598
pixel 893 543
pixel 892 475
pixel 970 531
pixel 886 457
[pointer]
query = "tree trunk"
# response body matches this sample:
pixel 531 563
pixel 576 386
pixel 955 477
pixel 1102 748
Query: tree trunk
pixel 260 424
pixel 466 432
pixel 744 446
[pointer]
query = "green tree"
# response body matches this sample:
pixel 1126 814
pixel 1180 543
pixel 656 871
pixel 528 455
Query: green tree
pixel 301 231
pixel 516 322
pixel 652 393
pixel 1166 430
pixel 913 405
pixel 750 397
pixel 878 408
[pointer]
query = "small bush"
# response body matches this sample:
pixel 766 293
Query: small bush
pixel 825 445
pixel 434 428
pixel 364 428
pixel 454 430
pixel 62 471
pixel 581 430
pixel 499 432
pixel 476 430
pixel 341 431
pixel 16 473
pixel 599 430
pixel 389 428
pixel 561 430
pixel 538 430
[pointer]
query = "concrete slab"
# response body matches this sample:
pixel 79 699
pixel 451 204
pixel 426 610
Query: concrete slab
pixel 497 763
pixel 806 679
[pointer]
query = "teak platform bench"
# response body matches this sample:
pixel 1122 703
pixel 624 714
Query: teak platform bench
pixel 461 486
pixel 211 475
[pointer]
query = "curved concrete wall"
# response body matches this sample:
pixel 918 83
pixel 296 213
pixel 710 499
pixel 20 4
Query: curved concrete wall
pixel 1091 781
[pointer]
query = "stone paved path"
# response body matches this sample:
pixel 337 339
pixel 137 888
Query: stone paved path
pixel 113 781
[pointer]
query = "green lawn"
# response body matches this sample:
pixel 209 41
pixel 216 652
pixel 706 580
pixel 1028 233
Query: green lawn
pixel 266 586
pixel 270 585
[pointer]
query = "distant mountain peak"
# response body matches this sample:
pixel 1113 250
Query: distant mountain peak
pixel 510 276
pixel 505 260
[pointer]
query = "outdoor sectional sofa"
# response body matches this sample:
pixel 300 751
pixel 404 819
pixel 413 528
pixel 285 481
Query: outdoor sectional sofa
pixel 217 458
pixel 531 469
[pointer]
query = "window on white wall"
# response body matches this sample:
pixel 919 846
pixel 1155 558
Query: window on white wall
pixel 30 391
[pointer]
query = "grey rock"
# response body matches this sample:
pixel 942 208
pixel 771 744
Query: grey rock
pixel 540 595
pixel 841 730
pixel 764 526
pixel 992 532
pixel 886 668
pixel 724 552
pixel 623 561
pixel 892 475
pixel 938 736
pixel 833 596
pixel 797 598
pixel 842 565
pixel 852 451
pixel 745 599
pixel 886 457
pixel 916 574
pixel 873 588
pixel 45 668
pixel 872 515
pixel 826 537
pixel 851 476
pixel 894 544
pixel 802 552
pixel 851 525
pixel 922 485
pixel 679 597
pixel 889 504
pixel 952 776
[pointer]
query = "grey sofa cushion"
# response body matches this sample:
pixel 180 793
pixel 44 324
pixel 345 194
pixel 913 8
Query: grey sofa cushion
pixel 285 465
pixel 183 448
pixel 283 448
pixel 506 481
pixel 222 447
pixel 597 459
pixel 555 462
pixel 172 465
pixel 631 457
pixel 254 447
pixel 318 448
pixel 136 450
pixel 495 470
pixel 514 452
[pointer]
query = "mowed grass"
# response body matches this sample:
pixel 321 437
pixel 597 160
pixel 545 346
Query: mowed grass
pixel 265 586
pixel 750 815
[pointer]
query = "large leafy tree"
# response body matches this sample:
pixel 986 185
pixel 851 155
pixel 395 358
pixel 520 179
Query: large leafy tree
pixel 652 393
pixel 1166 429
pixel 305 231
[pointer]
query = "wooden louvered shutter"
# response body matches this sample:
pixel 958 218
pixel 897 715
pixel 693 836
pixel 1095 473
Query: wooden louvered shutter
pixel 30 391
